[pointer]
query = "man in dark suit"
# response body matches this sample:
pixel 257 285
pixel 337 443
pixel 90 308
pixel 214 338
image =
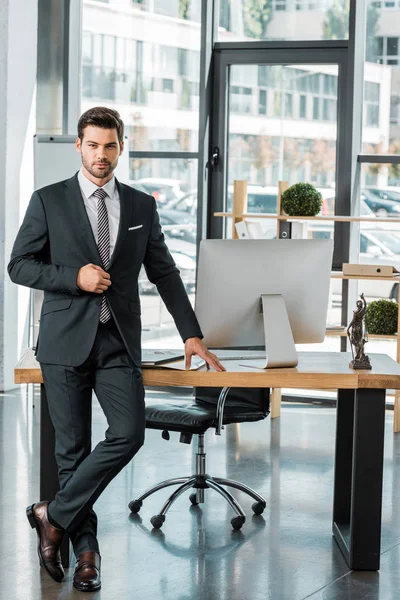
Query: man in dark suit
pixel 83 241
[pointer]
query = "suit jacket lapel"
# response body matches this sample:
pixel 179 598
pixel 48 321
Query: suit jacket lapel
pixel 75 200
pixel 124 219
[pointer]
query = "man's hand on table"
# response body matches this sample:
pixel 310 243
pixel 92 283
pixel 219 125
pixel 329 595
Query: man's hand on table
pixel 195 347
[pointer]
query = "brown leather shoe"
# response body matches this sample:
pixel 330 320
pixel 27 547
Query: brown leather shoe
pixel 49 540
pixel 87 572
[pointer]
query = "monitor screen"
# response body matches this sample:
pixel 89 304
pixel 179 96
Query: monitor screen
pixel 233 274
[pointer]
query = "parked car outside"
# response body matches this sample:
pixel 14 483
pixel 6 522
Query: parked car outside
pixel 183 246
pixel 136 185
pixel 260 199
pixel 163 190
pixel 178 224
pixel 382 207
pixel 264 198
pixel 187 203
pixel 184 255
pixel 187 269
pixel 385 193
pixel 379 244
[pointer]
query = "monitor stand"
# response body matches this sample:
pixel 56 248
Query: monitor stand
pixel 279 344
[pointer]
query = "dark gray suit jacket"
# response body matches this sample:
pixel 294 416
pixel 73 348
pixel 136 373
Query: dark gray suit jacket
pixel 56 239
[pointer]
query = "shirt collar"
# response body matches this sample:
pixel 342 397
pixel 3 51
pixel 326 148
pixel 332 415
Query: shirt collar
pixel 88 187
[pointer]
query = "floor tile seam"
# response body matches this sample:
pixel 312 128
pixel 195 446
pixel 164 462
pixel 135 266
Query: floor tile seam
pixel 390 549
pixel 324 587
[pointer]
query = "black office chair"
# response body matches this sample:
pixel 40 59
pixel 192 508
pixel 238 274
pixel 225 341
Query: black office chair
pixel 211 407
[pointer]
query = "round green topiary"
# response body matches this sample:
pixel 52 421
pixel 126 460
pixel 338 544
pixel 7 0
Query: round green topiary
pixel 381 317
pixel 301 200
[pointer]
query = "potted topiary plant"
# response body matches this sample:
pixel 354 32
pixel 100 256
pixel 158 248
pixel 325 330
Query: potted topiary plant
pixel 301 200
pixel 381 317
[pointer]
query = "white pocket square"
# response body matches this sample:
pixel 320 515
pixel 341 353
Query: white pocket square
pixel 136 227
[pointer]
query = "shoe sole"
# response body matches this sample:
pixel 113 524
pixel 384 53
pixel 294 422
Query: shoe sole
pixel 32 522
pixel 94 588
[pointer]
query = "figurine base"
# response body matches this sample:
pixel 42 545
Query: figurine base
pixel 363 363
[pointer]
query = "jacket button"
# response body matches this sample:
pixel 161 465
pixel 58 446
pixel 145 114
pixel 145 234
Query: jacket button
pixel 98 302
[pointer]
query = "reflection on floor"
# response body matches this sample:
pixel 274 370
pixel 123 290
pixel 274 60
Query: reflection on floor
pixel 286 554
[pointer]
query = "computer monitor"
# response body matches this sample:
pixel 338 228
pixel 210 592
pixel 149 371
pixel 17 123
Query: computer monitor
pixel 234 275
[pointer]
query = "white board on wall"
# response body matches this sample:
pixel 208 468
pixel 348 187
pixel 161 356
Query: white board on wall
pixel 56 159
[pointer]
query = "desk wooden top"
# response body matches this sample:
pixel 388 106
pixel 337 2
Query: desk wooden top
pixel 316 370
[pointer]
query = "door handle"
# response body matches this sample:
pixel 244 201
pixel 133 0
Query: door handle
pixel 215 157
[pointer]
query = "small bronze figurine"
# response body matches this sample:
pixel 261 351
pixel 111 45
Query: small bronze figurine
pixel 358 336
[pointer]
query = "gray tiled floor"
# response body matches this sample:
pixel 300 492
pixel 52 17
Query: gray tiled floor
pixel 287 554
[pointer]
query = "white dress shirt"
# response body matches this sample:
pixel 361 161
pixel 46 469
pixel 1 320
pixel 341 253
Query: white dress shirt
pixel 112 204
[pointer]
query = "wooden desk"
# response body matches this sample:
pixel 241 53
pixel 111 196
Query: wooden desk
pixel 359 433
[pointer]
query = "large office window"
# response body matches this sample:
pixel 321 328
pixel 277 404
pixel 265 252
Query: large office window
pixel 290 135
pixel 379 242
pixel 143 59
pixel 283 20
pixel 382 80
pixel 154 85
pixel 281 125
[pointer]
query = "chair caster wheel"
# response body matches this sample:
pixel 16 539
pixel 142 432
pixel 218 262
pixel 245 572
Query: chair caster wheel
pixel 135 506
pixel 157 521
pixel 193 499
pixel 237 522
pixel 258 508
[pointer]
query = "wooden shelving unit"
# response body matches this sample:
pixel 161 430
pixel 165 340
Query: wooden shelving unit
pixel 239 213
pixel 336 333
pixel 318 218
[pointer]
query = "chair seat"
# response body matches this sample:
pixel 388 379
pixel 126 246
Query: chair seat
pixel 195 417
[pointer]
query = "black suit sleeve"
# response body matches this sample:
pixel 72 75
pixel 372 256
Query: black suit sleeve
pixel 162 271
pixel 30 263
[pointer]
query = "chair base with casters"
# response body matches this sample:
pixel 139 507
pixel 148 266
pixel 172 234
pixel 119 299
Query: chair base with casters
pixel 196 418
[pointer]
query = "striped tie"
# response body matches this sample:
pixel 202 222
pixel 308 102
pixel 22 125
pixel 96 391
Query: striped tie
pixel 103 243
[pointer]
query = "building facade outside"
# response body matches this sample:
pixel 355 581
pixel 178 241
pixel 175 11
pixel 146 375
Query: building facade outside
pixel 155 86
pixel 282 118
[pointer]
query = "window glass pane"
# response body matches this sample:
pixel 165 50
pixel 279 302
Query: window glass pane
pixel 97 50
pixel 142 58
pixel 379 242
pixel 262 102
pixel 277 145
pixel 315 109
pixel 87 51
pixel 152 80
pixel 392 46
pixel 262 75
pixel 283 20
pixel 288 105
pixel 173 184
pixel 303 107
pixel 381 118
pixel 379 46
pixel 120 54
pixel 109 51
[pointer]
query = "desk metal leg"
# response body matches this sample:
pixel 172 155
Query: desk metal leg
pixel 49 485
pixel 357 505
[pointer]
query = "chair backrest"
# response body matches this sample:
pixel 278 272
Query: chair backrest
pixel 250 398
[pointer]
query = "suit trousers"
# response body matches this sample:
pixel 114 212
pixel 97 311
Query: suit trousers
pixel 84 473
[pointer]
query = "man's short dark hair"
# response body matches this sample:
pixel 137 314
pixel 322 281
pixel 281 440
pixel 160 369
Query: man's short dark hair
pixel 101 116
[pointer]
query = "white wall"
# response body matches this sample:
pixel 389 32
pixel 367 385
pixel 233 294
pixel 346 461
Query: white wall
pixel 18 41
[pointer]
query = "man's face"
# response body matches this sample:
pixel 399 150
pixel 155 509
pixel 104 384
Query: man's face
pixel 100 150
